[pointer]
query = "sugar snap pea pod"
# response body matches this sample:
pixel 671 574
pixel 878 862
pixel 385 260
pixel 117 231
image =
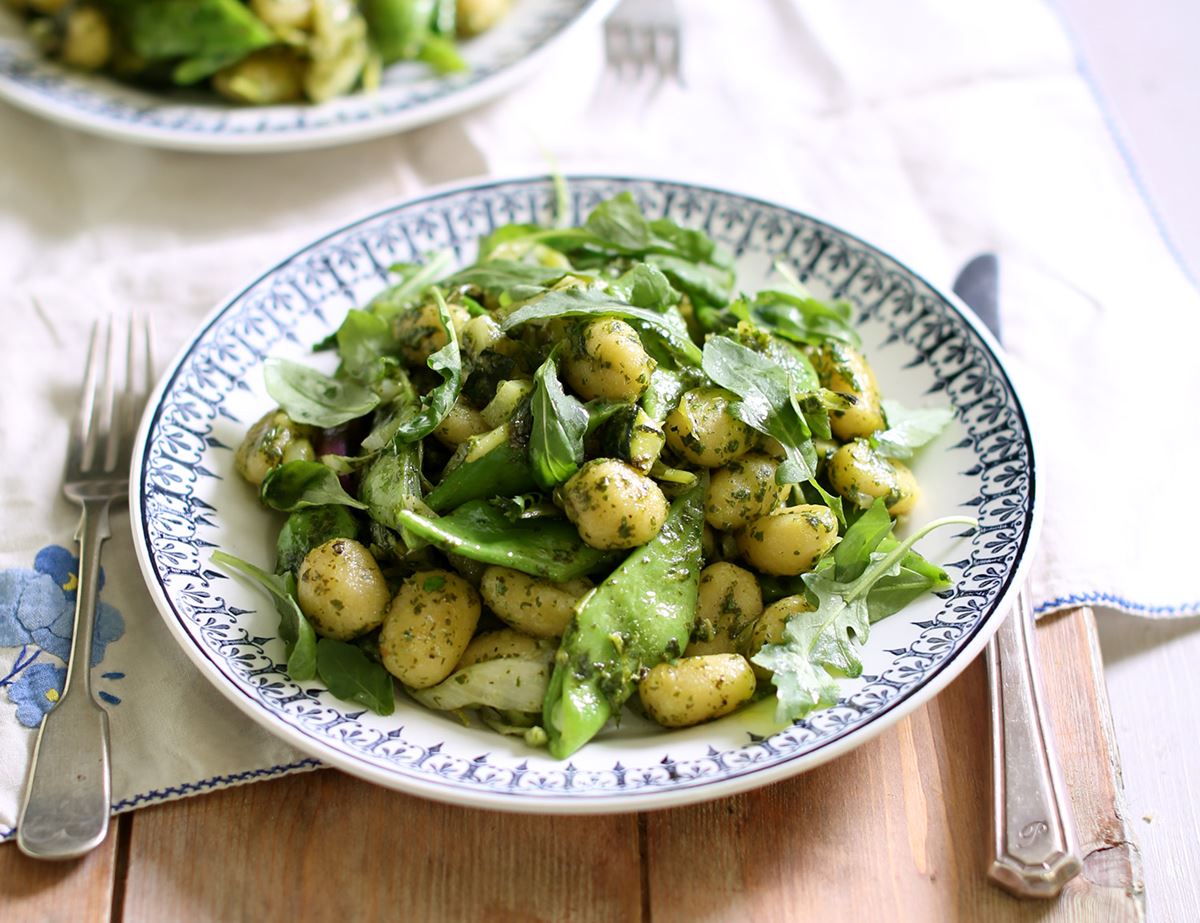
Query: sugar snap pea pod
pixel 392 483
pixel 549 548
pixel 399 27
pixel 494 467
pixel 641 615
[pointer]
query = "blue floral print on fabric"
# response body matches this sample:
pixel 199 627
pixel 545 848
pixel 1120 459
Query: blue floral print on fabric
pixel 37 611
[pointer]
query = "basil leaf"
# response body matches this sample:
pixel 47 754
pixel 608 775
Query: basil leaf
pixel 908 430
pixel 559 424
pixel 594 302
pixel 308 528
pixel 366 346
pixel 298 485
pixel 308 396
pixel 352 676
pixel 447 362
pixel 620 224
pixel 766 403
pixel 299 639
pixel 645 286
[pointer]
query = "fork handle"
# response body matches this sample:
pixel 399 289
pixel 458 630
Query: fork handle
pixel 1034 836
pixel 69 792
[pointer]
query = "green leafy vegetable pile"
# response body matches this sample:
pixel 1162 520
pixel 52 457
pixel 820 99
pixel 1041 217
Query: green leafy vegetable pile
pixel 585 470
pixel 258 52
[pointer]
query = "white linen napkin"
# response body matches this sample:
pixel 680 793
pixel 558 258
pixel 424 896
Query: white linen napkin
pixel 933 129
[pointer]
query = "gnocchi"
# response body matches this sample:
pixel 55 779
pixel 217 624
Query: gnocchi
pixel 341 589
pixel 696 689
pixel 428 626
pixel 537 607
pixel 614 505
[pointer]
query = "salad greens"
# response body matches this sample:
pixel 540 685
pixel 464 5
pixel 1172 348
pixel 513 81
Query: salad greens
pixel 259 53
pixel 548 453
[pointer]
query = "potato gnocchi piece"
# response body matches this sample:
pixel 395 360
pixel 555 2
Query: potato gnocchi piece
pixel 702 430
pixel 607 362
pixel 460 424
pixel 696 689
pixel 428 627
pixel 420 332
pixel 613 504
pixel 847 371
pixel 501 644
pixel 789 541
pixel 768 629
pixel 341 589
pixel 539 608
pixel 276 438
pixel 861 475
pixel 728 604
pixel 742 491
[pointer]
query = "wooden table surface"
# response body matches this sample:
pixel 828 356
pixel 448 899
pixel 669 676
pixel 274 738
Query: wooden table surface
pixel 895 830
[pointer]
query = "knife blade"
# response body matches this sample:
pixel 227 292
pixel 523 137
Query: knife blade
pixel 1035 848
pixel 978 284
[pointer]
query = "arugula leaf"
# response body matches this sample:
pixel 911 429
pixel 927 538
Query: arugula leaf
pixel 853 552
pixel 802 319
pixel 595 302
pixel 415 278
pixel 299 639
pixel 498 276
pixel 309 396
pixel 766 403
pixel 645 286
pixel 447 362
pixel 704 284
pixel 692 244
pixel 908 430
pixel 559 424
pixel 352 676
pixel 298 485
pixel 820 645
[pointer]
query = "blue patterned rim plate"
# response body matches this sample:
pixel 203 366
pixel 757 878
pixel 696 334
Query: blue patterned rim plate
pixel 924 346
pixel 409 96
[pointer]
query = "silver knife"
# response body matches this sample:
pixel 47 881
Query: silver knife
pixel 1033 831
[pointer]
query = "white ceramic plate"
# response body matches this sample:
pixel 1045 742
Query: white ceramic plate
pixel 186 120
pixel 188 501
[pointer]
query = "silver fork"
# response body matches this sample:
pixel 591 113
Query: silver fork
pixel 66 806
pixel 644 36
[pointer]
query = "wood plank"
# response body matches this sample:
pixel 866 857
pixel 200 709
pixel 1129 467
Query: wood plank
pixel 58 892
pixel 324 846
pixel 898 829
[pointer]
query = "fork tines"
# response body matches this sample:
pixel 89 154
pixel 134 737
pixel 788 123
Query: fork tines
pixel 103 429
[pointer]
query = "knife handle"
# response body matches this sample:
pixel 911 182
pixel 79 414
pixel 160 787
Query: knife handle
pixel 1036 852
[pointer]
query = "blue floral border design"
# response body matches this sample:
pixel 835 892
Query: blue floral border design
pixel 181 116
pixel 174 792
pixel 963 367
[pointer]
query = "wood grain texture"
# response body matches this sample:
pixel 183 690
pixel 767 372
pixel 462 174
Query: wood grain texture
pixel 324 846
pixel 58 892
pixel 898 829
